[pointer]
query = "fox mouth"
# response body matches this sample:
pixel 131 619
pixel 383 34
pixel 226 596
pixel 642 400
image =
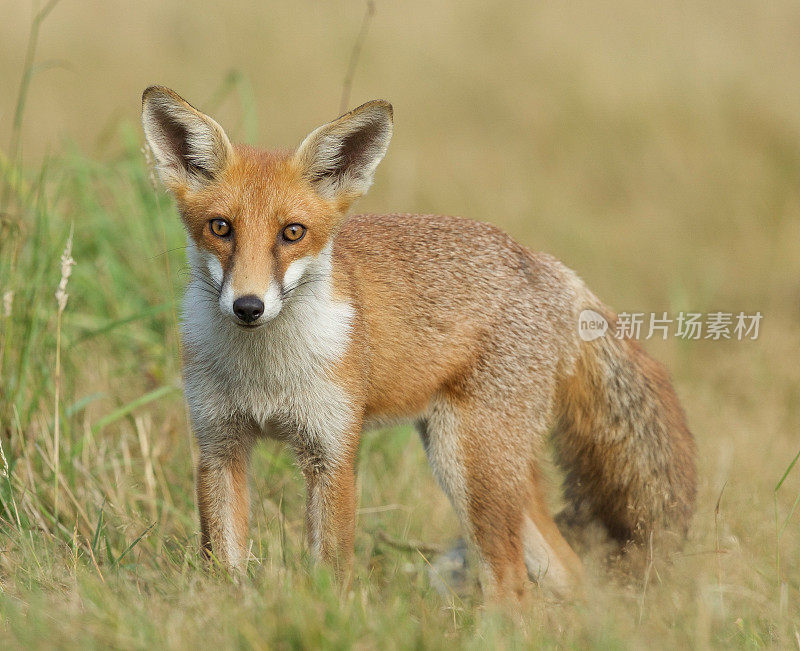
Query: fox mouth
pixel 248 326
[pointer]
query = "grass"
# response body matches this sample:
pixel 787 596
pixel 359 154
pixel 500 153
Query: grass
pixel 670 182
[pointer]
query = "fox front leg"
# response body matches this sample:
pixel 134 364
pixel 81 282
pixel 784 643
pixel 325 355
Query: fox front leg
pixel 331 503
pixel 223 499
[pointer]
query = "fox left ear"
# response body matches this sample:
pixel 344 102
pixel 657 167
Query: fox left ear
pixel 340 158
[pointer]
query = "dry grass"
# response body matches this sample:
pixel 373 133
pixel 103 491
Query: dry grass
pixel 654 148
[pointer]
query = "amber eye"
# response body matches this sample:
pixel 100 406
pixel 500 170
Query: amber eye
pixel 294 232
pixel 220 227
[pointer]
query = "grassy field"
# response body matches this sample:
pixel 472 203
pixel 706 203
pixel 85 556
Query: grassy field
pixel 653 148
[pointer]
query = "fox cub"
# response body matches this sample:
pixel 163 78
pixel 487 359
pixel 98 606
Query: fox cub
pixel 308 325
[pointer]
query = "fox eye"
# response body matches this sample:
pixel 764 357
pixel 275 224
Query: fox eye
pixel 294 232
pixel 220 227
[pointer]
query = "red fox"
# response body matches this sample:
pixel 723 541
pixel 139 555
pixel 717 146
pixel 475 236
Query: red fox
pixel 308 325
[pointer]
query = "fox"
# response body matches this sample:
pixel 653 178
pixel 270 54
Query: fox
pixel 308 324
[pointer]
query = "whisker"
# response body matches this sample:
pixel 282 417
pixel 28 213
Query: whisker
pixel 207 286
pixel 206 280
pixel 177 248
pixel 311 278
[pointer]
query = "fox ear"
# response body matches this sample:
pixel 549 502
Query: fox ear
pixel 339 158
pixel 189 147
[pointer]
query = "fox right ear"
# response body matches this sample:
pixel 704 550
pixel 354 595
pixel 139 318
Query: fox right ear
pixel 189 147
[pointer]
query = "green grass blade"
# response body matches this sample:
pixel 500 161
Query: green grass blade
pixel 98 529
pixel 788 470
pixel 123 411
pixel 134 543
pixel 78 405
pixel 113 325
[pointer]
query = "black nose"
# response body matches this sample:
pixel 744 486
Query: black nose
pixel 248 308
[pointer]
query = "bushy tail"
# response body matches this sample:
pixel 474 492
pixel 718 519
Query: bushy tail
pixel 621 437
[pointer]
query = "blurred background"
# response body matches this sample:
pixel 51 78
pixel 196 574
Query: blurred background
pixel 653 147
pixel 614 130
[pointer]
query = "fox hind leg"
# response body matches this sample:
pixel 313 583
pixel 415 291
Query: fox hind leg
pixel 482 460
pixel 493 525
pixel 549 558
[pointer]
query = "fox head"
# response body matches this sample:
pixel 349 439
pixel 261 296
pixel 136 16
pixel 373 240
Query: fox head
pixel 260 220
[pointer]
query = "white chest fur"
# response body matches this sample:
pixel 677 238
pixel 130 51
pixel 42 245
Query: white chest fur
pixel 279 372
